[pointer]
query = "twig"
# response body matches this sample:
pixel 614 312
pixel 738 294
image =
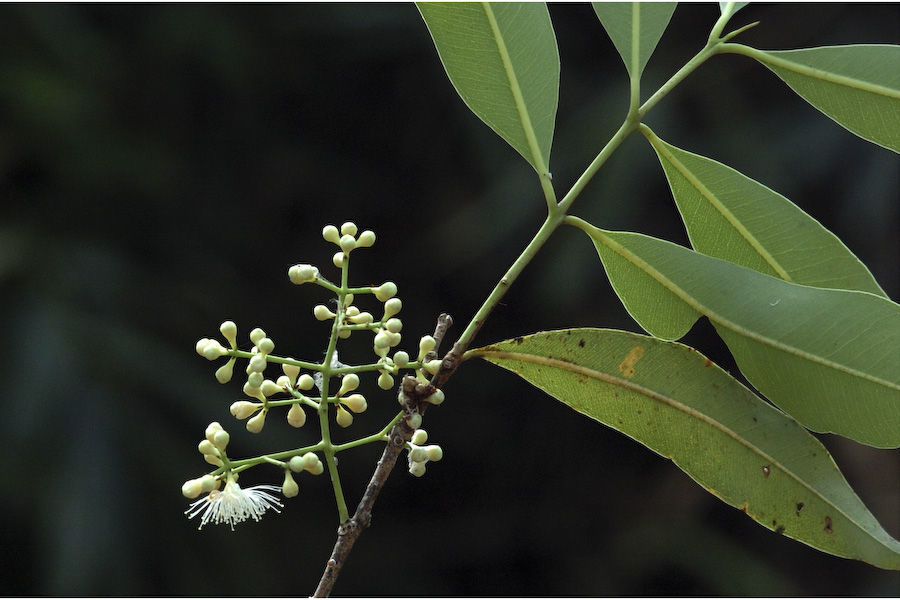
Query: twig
pixel 350 530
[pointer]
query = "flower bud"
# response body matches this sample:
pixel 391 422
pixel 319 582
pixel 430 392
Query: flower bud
pixel 211 430
pixel 381 340
pixel 214 350
pixel 363 318
pixel 330 233
pixel 283 382
pixel 414 421
pixel 208 447
pixel 220 440
pixel 365 239
pixel 418 454
pixel 229 330
pixel 349 382
pixel 355 402
pixel 385 381
pixel 351 311
pixel 296 464
pixel 296 416
pixel 313 464
pixel 291 371
pixel 417 469
pixel 394 325
pixel 338 259
pixel 256 335
pixel 349 228
pixel 265 345
pixel 343 418
pixel 322 313
pixel 213 460
pixel 385 291
pixel 436 398
pixel 306 382
pixel 191 488
pixel 225 372
pixel 255 424
pixel 243 409
pixel 348 243
pixel 419 437
pixel 269 387
pixel 258 363
pixel 426 345
pixel 201 344
pixel 208 483
pixel 434 453
pixel 392 307
pixel 393 338
pixel 289 488
pixel 401 359
pixel 433 366
pixel 300 274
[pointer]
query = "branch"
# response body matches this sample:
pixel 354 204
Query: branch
pixel 350 530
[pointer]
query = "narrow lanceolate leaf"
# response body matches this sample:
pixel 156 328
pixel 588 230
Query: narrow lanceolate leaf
pixel 503 61
pixel 858 86
pixel 635 29
pixel 678 403
pixel 730 216
pixel 830 358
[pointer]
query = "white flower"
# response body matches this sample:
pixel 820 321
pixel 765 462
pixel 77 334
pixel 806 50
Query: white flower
pixel 234 505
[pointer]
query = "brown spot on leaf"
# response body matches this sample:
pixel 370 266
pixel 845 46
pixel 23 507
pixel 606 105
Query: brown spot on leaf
pixel 766 471
pixel 828 528
pixel 744 507
pixel 518 340
pixel 708 363
pixel 627 365
pixel 581 343
pixel 780 529
pixel 799 508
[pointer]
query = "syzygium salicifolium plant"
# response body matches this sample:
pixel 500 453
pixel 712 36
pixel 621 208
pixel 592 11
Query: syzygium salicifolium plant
pixel 808 325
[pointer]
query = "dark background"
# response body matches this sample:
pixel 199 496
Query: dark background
pixel 161 166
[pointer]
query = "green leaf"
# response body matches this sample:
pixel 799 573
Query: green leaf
pixel 679 404
pixel 858 86
pixel 830 358
pixel 503 61
pixel 730 216
pixel 635 29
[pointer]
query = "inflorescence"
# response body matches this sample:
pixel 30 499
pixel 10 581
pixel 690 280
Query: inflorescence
pixel 303 386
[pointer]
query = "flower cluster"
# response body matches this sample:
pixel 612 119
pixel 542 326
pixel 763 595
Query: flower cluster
pixel 420 454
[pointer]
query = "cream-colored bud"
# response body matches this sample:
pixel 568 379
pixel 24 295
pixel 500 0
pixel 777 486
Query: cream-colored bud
pixel 255 424
pixel 338 259
pixel 283 382
pixel 381 352
pixel 225 372
pixel 348 243
pixel 426 345
pixel 417 454
pixel 414 421
pixel 417 469
pixel 363 318
pixel 306 382
pixel 330 233
pixel 344 333
pixel 348 299
pixel 296 416
pixel 343 418
pixel 255 380
pixel 433 366
pixel 349 228
pixel 243 409
pixel 266 345
pixel 191 488
pixel 351 311
pixel 385 291
pixel 214 350
pixel 393 338
pixel 322 313
pixel 365 239
pixel 256 335
pixel 436 398
pixel 289 488
pixel 208 483
pixel 213 460
pixel 201 345
pixel 211 430
pixel 392 307
pixel 382 340
pixel 419 437
pixel 258 363
pixel 394 325
pixel 296 464
pixel 229 330
pixel 385 381
pixel 434 453
pixel 208 447
pixel 401 359
pixel 220 440
pixel 312 463
pixel 355 402
pixel 291 371
pixel 349 382
pixel 269 387
pixel 300 274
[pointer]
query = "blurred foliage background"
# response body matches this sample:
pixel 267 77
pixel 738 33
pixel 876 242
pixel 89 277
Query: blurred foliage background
pixel 162 165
